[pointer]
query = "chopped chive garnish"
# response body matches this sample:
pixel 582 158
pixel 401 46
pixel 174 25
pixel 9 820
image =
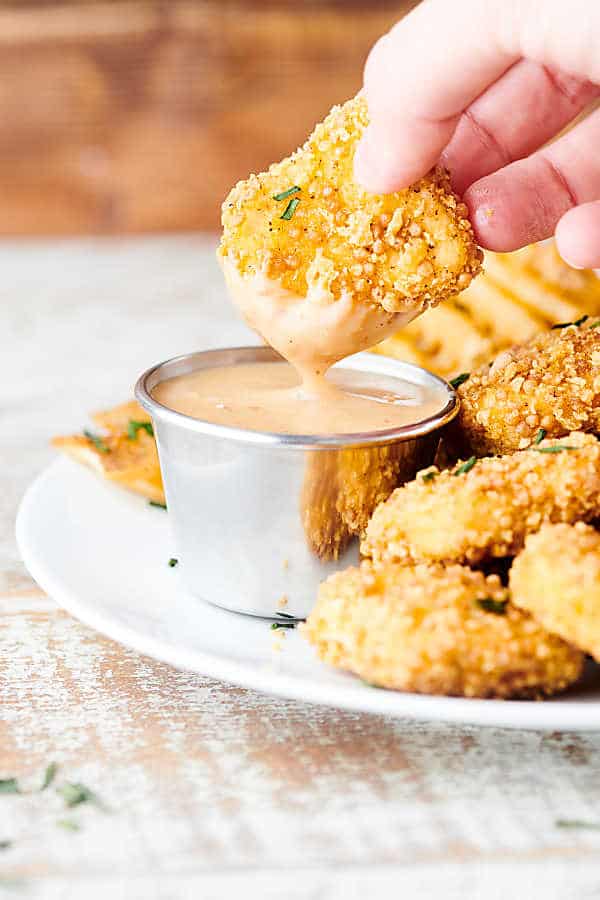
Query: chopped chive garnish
pixel 556 448
pixel 488 604
pixel 285 194
pixel 460 379
pixel 9 786
pixel 49 776
pixel 74 794
pixel 428 476
pixel 96 441
pixel 577 323
pixel 157 504
pixel 68 824
pixel 466 466
pixel 595 324
pixel 276 625
pixel 173 562
pixel 290 209
pixel 134 426
pixel 539 436
pixel 577 823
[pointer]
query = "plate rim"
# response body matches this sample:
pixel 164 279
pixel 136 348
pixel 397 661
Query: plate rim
pixel 545 715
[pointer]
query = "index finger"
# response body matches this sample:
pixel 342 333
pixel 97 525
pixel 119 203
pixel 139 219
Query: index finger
pixel 418 80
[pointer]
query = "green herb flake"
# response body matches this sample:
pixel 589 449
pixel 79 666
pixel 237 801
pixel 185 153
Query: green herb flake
pixel 555 448
pixel 134 426
pixel 49 776
pixel 595 325
pixel 9 786
pixel 488 604
pixel 68 824
pixel 577 823
pixel 576 323
pixel 539 437
pixel 96 441
pixel 5 845
pixel 460 379
pixel 157 504
pixel 290 209
pixel 75 793
pixel 466 466
pixel 275 626
pixel 285 194
pixel 173 562
pixel 428 476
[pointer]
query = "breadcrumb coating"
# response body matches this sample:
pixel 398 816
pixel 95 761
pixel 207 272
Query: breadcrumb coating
pixel 485 508
pixel 556 578
pixel 550 382
pixel 399 251
pixel 433 630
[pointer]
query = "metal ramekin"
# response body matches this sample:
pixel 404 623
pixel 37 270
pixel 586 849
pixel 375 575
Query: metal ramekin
pixel 260 519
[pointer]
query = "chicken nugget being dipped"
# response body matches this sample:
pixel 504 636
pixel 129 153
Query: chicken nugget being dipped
pixel 436 630
pixel 484 508
pixel 320 267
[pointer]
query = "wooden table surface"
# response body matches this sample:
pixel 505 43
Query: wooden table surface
pixel 215 791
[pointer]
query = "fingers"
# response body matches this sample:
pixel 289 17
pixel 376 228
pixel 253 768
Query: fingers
pixel 524 201
pixel 433 65
pixel 516 115
pixel 578 236
pixel 418 80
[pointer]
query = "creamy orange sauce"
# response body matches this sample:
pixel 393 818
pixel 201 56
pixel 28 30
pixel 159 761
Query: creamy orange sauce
pixel 271 397
pixel 314 331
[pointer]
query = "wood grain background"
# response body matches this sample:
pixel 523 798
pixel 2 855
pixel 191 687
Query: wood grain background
pixel 139 116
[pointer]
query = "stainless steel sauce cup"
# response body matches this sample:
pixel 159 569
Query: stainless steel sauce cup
pixel 260 519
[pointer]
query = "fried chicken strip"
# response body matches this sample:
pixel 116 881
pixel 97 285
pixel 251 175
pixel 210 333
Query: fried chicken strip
pixel 435 630
pixel 308 227
pixel 551 382
pixel 485 508
pixel 556 578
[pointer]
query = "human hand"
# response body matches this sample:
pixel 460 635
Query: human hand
pixel 481 86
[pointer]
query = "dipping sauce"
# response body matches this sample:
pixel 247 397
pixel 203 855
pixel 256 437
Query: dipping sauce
pixel 270 396
pixel 314 331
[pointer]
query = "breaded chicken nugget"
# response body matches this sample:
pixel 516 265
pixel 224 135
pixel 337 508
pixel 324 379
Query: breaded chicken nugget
pixel 485 508
pixel 551 382
pixel 308 226
pixel 556 578
pixel 435 630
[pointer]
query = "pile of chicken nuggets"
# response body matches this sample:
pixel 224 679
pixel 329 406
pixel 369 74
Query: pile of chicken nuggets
pixel 427 611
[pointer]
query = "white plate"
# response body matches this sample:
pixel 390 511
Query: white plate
pixel 103 555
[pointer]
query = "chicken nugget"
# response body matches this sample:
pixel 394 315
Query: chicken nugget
pixel 484 508
pixel 308 227
pixel 552 382
pixel 556 578
pixel 435 630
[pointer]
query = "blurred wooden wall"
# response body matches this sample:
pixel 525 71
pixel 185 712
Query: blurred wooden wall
pixel 139 116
